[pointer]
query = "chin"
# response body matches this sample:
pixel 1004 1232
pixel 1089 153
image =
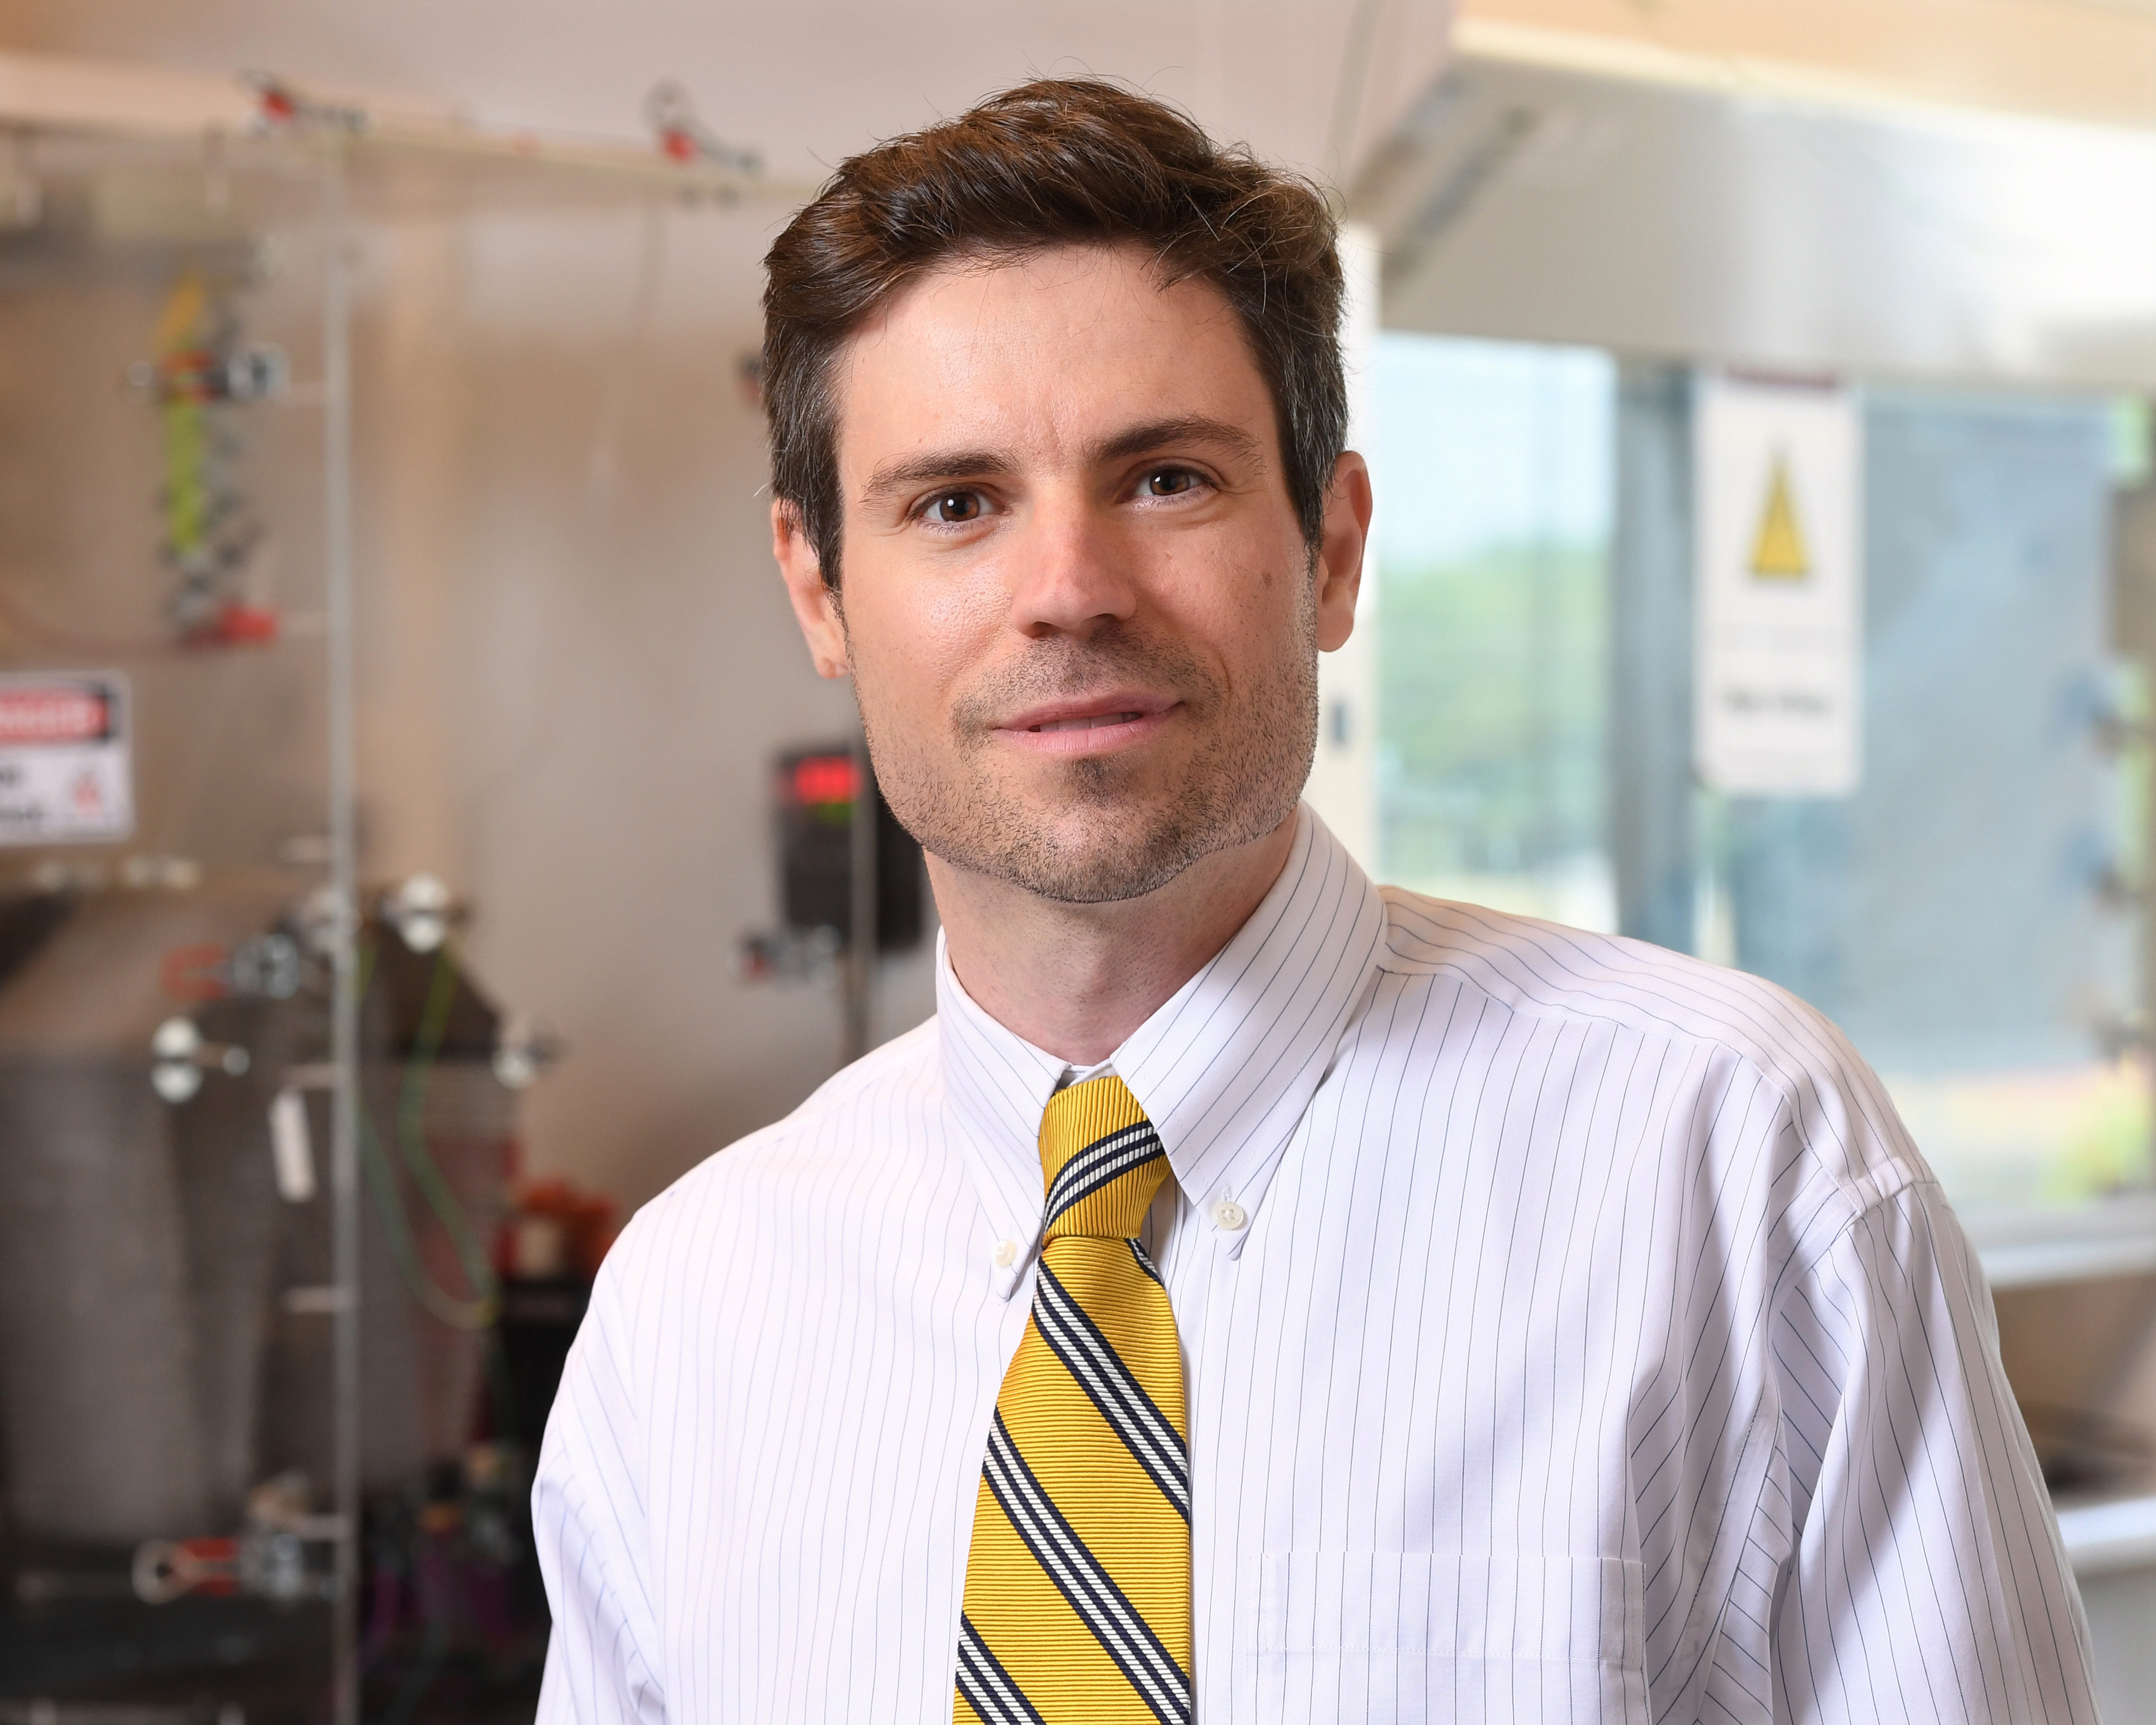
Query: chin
pixel 1106 828
pixel 1100 849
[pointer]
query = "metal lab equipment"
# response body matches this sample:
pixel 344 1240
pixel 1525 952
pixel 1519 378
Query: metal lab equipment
pixel 851 884
pixel 256 1127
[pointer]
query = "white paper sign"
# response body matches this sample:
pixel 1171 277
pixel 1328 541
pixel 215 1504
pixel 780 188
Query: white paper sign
pixel 64 773
pixel 1779 530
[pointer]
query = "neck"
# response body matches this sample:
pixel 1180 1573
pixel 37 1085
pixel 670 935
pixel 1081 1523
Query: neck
pixel 1076 979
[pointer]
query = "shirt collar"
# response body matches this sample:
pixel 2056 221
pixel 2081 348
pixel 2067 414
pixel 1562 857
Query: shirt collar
pixel 1225 1069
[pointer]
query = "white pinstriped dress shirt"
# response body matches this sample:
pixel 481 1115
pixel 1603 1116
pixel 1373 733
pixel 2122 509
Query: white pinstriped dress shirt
pixel 1571 1332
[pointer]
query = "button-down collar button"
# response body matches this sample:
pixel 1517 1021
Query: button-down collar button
pixel 1006 1254
pixel 1230 1215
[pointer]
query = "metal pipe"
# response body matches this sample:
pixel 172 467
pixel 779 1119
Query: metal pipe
pixel 344 870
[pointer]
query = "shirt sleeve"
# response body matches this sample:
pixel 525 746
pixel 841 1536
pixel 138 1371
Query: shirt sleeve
pixel 587 1523
pixel 1904 1564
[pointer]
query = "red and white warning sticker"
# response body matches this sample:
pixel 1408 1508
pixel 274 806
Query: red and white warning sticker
pixel 65 775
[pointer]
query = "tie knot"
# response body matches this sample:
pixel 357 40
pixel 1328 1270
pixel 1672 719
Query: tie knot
pixel 1101 1159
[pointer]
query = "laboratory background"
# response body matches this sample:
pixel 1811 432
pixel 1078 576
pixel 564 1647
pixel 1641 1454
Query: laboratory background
pixel 422 836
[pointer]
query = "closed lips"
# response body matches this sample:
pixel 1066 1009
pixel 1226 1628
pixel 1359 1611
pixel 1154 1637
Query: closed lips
pixel 1089 723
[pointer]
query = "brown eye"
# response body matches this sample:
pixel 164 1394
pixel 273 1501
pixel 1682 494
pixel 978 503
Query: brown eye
pixel 956 507
pixel 1168 482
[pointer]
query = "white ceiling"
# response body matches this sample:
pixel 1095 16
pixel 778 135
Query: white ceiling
pixel 806 82
pixel 1529 201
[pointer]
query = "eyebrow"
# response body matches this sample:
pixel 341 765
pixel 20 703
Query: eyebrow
pixel 893 477
pixel 896 476
pixel 1186 429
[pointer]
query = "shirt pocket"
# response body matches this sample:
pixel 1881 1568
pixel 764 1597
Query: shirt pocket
pixel 1429 1635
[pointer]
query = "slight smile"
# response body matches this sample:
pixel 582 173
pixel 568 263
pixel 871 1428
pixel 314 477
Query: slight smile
pixel 1097 725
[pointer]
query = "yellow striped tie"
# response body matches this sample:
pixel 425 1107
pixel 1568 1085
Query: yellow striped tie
pixel 1078 1585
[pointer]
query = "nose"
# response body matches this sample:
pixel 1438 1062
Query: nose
pixel 1071 576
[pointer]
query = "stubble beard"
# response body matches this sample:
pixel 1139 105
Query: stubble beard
pixel 1109 828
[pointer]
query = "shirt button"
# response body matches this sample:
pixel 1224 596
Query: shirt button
pixel 1006 1254
pixel 1230 1215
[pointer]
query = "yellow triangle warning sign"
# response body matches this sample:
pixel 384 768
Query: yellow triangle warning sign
pixel 1779 551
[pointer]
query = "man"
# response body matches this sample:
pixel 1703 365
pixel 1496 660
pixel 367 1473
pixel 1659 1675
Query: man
pixel 1254 1295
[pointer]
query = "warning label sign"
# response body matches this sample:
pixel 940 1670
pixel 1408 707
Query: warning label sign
pixel 1779 535
pixel 1778 553
pixel 64 770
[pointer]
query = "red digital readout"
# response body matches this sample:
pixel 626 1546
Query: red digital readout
pixel 825 779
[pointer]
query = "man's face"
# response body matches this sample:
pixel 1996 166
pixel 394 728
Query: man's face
pixel 1078 607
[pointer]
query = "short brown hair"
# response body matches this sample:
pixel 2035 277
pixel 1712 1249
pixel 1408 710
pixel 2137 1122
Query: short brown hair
pixel 1058 161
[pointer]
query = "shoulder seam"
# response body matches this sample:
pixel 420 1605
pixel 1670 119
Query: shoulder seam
pixel 849 1081
pixel 1782 1087
pixel 836 1091
pixel 1880 1196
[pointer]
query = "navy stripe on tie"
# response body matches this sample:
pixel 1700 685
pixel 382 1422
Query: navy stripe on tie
pixel 1131 1415
pixel 1126 1638
pixel 1104 1160
pixel 984 1683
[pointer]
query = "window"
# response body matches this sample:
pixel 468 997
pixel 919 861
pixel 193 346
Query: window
pixel 1493 557
pixel 1970 916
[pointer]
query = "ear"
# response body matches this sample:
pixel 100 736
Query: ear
pixel 1340 550
pixel 815 606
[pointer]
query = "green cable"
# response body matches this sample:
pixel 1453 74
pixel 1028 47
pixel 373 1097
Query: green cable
pixel 475 1314
pixel 389 1204
pixel 434 1025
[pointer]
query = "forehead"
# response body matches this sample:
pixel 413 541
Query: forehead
pixel 1038 356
